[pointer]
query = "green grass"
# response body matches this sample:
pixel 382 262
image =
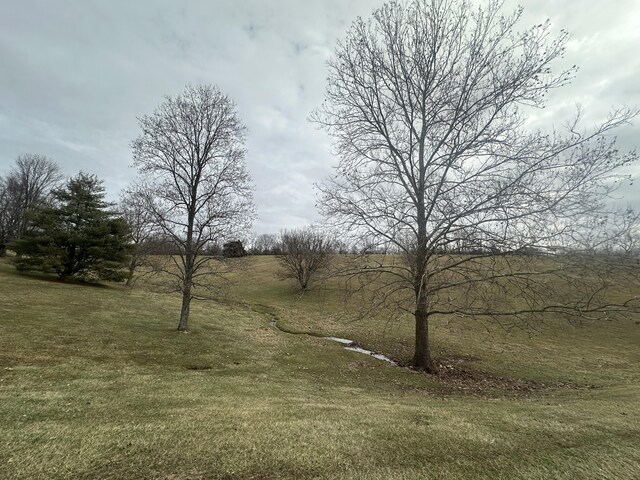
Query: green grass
pixel 96 383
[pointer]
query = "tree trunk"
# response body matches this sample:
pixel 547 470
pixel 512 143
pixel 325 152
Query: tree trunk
pixel 188 259
pixel 3 250
pixel 132 268
pixel 186 301
pixel 422 357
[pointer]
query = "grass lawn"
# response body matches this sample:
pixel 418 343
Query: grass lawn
pixel 96 383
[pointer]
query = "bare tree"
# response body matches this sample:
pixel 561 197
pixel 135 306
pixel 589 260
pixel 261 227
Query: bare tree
pixel 28 185
pixel 630 244
pixel 304 254
pixel 133 209
pixel 265 244
pixel 7 215
pixel 192 151
pixel 427 105
pixel 608 233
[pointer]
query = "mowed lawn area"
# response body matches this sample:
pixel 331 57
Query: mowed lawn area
pixel 95 383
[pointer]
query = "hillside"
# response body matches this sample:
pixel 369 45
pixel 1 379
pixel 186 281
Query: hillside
pixel 96 383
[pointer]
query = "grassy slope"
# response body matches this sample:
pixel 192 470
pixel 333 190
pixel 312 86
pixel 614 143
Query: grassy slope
pixel 94 383
pixel 553 351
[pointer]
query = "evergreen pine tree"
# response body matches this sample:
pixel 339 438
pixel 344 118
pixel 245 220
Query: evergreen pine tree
pixel 78 236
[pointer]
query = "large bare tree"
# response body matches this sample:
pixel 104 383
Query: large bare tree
pixel 191 152
pixel 427 102
pixel 28 185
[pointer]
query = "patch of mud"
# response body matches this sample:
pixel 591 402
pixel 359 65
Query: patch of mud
pixel 198 368
pixel 457 376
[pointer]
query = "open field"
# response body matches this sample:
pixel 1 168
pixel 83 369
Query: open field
pixel 95 383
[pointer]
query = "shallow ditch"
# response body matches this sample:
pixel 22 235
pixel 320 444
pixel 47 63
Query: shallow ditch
pixel 349 344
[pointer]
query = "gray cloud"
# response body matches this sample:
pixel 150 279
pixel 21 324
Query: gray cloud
pixel 75 74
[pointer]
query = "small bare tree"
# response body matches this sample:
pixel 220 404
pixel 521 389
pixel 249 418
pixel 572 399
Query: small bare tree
pixel 191 150
pixel 304 254
pixel 8 217
pixel 630 244
pixel 134 210
pixel 610 232
pixel 427 104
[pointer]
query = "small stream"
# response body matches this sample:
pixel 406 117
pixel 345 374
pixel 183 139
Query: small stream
pixel 351 347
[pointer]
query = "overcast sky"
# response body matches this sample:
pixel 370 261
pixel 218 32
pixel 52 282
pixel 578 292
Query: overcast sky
pixel 75 74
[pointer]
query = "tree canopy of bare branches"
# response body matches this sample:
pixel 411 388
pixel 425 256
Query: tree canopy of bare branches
pixel 28 185
pixel 265 244
pixel 191 152
pixel 133 209
pixel 304 254
pixel 427 103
